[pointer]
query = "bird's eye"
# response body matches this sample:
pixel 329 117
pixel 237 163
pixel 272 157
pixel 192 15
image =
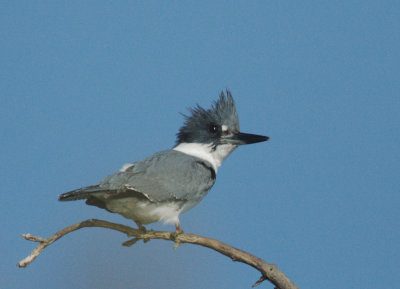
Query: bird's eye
pixel 213 128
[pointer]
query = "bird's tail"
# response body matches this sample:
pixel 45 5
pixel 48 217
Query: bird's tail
pixel 79 194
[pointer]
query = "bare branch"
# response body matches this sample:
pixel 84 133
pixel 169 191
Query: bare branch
pixel 268 271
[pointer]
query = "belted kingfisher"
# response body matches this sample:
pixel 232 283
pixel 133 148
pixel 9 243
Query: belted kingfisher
pixel 170 182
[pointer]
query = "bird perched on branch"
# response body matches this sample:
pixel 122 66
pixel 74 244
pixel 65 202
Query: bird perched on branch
pixel 170 182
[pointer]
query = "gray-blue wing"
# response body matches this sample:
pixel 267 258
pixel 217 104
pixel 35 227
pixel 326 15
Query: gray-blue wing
pixel 167 175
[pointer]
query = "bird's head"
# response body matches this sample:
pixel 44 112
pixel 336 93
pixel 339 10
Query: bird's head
pixel 216 126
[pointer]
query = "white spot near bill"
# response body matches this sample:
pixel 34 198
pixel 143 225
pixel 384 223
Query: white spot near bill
pixel 125 167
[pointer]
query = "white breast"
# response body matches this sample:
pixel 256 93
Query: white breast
pixel 206 152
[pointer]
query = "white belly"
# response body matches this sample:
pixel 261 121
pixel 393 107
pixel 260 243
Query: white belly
pixel 146 212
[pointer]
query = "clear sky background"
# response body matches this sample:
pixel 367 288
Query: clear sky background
pixel 88 86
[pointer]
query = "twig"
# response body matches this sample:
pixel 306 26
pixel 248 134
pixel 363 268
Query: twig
pixel 268 271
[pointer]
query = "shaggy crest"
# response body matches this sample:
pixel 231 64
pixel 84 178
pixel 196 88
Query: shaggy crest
pixel 204 124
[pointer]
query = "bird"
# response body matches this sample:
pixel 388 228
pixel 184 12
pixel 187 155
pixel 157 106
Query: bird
pixel 171 182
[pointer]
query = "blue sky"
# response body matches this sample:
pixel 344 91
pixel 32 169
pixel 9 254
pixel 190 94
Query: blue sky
pixel 89 86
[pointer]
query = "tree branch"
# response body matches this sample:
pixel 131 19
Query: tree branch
pixel 268 271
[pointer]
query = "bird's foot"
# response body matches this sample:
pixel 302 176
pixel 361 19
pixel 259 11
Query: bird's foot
pixel 178 229
pixel 141 228
pixel 177 232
